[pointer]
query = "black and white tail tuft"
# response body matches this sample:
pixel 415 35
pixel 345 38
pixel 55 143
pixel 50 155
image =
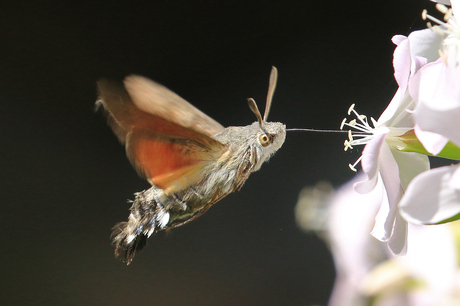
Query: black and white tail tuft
pixel 147 217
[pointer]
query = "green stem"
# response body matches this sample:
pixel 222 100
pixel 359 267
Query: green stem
pixel 412 144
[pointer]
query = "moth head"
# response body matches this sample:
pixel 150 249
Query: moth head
pixel 270 135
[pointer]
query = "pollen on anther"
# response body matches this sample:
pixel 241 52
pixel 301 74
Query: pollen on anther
pixel 343 123
pixel 347 145
pixel 350 136
pixel 352 168
pixel 448 15
pixel 424 14
pixel 352 122
pixel 442 8
pixel 351 109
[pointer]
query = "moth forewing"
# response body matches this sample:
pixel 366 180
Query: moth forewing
pixel 156 99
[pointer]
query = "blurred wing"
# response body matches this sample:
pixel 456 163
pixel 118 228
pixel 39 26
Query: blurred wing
pixel 156 99
pixel 169 155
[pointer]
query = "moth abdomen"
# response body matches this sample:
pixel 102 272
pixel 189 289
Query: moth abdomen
pixel 147 217
pixel 126 248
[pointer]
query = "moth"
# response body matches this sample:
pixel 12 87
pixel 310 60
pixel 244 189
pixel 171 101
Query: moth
pixel 190 160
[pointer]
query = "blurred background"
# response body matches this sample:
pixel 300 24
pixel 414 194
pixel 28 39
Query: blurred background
pixel 66 180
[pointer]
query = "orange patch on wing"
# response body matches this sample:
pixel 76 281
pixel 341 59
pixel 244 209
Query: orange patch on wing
pixel 170 165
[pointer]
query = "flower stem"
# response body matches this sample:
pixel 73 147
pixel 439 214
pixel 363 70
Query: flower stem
pixel 412 144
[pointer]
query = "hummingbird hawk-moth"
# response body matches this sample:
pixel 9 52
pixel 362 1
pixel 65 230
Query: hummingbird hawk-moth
pixel 190 160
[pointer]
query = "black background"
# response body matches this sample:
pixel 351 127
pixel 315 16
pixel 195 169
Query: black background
pixel 65 178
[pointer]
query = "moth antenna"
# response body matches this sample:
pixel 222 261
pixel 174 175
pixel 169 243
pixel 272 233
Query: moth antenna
pixel 255 110
pixel 271 91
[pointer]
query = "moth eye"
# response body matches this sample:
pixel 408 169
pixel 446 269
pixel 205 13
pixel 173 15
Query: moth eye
pixel 265 140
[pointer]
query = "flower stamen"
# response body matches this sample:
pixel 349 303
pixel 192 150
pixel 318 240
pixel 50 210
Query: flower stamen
pixel 350 109
pixel 360 132
pixel 450 28
pixel 425 16
pixel 353 167
pixel 343 123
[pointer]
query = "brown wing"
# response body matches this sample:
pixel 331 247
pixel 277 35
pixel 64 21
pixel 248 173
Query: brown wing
pixel 157 100
pixel 169 155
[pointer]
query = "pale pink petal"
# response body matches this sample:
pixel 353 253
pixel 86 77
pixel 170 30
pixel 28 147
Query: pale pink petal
pixel 378 231
pixel 405 62
pixel 432 142
pixel 429 198
pixel 397 39
pixel 438 86
pixel 389 172
pixel 410 165
pixel 401 60
pixel 414 86
pixel 392 108
pixel 455 7
pixel 397 114
pixel 353 249
pixel 438 92
pixel 455 180
pixel 370 162
pixel 445 123
pixel 432 258
pixel 398 241
pixel 349 223
pixel 425 43
pixel 445 2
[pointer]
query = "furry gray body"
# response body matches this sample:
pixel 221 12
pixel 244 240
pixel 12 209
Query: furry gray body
pixel 154 209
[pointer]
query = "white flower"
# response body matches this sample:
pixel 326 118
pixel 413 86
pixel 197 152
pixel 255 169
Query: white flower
pixel 366 272
pixel 435 87
pixel 384 165
pixel 389 171
pixel 434 196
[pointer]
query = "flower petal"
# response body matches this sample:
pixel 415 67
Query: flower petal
pixel 397 113
pixel 445 2
pixel 455 8
pixel 379 231
pixel 429 198
pixel 385 219
pixel 401 60
pixel 438 86
pixel 432 142
pixel 425 43
pixel 410 165
pixel 397 39
pixel 370 162
pixel 437 89
pixel 445 123
pixel 398 241
pixel 455 179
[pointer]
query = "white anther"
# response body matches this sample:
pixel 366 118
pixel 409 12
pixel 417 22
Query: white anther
pixel 351 109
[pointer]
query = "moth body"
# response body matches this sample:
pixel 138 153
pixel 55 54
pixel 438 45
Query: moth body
pixel 191 161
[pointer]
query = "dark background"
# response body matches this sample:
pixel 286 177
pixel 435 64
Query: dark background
pixel 65 178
